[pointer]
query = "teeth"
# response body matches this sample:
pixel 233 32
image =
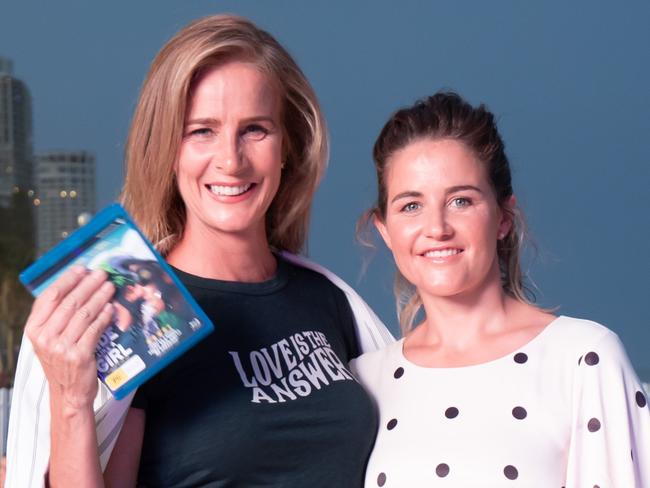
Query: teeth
pixel 442 253
pixel 229 191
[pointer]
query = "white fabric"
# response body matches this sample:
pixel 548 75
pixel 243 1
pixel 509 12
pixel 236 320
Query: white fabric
pixel 28 445
pixel 529 417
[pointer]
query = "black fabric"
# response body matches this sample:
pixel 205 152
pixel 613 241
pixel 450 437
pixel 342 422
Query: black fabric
pixel 267 399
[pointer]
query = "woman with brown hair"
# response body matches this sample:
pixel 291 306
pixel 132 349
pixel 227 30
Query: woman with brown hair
pixel 488 389
pixel 226 149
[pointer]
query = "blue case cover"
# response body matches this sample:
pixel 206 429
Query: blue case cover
pixel 155 319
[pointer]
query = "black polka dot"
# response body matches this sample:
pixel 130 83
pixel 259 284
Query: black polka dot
pixel 451 413
pixel 640 399
pixel 519 413
pixel 381 479
pixel 392 423
pixel 591 358
pixel 442 470
pixel 593 425
pixel 520 358
pixel 579 360
pixel 510 472
pixel 399 372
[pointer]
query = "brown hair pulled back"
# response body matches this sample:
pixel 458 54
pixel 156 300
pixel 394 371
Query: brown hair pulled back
pixel 446 115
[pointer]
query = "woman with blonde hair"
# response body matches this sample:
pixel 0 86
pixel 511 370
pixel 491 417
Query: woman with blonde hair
pixel 488 389
pixel 226 149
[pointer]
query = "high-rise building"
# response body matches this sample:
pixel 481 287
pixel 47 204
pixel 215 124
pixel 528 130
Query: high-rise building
pixel 16 149
pixel 65 194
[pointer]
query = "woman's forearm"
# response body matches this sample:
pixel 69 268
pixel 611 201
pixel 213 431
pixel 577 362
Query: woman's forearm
pixel 74 458
pixel 64 327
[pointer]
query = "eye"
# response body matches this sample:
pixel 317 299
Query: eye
pixel 410 207
pixel 460 202
pixel 200 132
pixel 255 132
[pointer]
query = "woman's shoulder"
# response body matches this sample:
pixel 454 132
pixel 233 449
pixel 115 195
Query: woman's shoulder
pixel 373 363
pixel 304 272
pixel 382 355
pixel 583 340
pixel 578 331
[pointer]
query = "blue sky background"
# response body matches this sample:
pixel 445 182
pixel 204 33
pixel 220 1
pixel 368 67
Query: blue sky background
pixel 569 82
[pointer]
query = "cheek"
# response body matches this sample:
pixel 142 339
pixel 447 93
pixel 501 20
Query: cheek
pixel 267 154
pixel 193 158
pixel 266 162
pixel 483 225
pixel 483 231
pixel 182 168
pixel 403 237
pixel 402 233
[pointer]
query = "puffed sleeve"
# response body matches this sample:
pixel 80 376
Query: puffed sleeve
pixel 610 437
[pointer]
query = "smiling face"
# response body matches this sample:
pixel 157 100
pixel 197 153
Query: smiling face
pixel 442 219
pixel 229 163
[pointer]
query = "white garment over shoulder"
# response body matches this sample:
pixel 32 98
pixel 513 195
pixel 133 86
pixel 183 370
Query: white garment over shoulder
pixel 565 410
pixel 28 445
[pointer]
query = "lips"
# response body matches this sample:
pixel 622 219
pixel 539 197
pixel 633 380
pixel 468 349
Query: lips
pixel 230 190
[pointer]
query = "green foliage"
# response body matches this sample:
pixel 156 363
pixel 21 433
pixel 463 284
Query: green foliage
pixel 17 239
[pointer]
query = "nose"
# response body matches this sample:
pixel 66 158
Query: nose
pixel 438 226
pixel 228 156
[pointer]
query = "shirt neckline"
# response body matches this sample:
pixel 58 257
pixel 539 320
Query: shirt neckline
pixel 273 284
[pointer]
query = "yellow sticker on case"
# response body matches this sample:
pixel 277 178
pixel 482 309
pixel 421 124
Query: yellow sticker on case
pixel 128 370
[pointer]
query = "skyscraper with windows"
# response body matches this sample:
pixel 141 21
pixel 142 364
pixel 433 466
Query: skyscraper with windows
pixel 65 191
pixel 16 149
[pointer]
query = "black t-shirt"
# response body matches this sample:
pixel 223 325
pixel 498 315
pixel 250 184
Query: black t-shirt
pixel 267 399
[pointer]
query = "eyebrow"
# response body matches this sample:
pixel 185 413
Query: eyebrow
pixel 452 189
pixel 406 194
pixel 455 189
pixel 213 121
pixel 203 121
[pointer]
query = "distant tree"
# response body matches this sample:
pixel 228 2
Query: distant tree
pixel 17 251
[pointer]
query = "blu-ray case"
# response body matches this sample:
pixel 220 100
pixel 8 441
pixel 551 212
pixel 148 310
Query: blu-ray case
pixel 155 318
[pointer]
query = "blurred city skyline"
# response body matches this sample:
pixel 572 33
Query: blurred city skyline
pixel 568 83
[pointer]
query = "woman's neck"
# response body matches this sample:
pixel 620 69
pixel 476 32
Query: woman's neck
pixel 459 321
pixel 224 256
pixel 474 327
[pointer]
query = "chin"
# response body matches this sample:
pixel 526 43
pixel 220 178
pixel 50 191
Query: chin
pixel 446 288
pixel 443 292
pixel 232 228
pixel 229 222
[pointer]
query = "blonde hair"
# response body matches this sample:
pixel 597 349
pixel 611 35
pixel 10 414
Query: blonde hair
pixel 446 115
pixel 150 192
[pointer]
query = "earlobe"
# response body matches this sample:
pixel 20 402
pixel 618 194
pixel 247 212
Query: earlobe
pixel 383 232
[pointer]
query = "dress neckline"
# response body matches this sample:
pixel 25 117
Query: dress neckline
pixel 399 345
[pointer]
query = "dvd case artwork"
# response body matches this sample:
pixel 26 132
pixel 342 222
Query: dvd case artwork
pixel 155 319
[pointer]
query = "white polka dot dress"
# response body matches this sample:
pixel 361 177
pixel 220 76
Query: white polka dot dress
pixel 565 410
